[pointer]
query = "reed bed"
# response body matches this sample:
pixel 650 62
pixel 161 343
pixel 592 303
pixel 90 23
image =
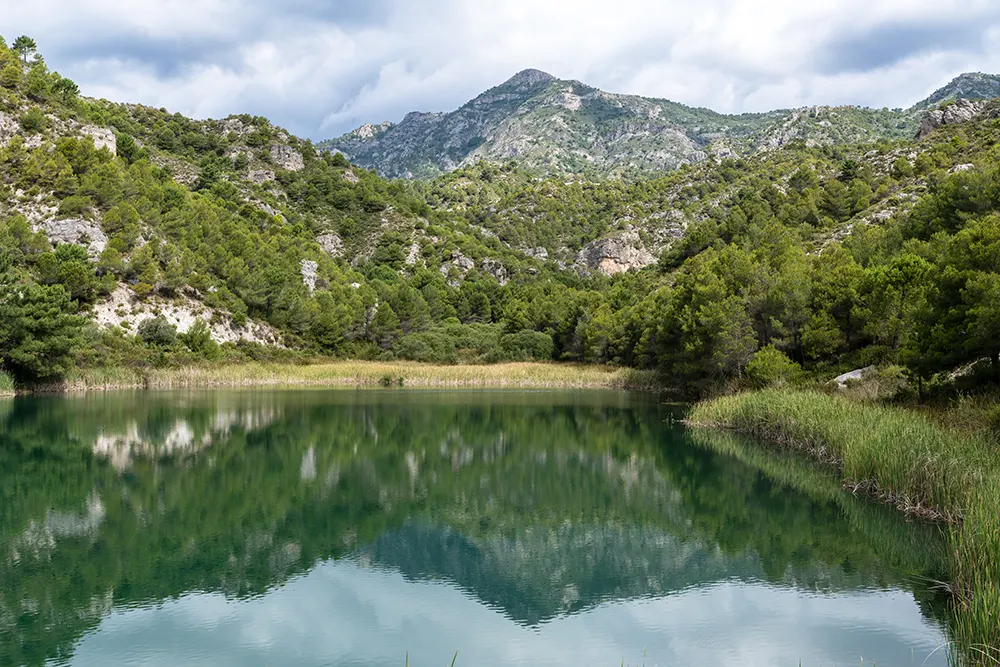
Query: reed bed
pixel 904 458
pixel 361 374
pixel 6 384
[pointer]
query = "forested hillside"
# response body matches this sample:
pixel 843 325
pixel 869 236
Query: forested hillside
pixel 133 236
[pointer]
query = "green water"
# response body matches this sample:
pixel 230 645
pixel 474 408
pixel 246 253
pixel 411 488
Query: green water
pixel 354 528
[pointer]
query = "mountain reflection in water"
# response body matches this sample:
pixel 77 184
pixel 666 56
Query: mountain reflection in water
pixel 528 516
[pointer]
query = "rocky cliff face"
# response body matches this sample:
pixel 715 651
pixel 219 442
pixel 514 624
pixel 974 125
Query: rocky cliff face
pixel 960 111
pixel 970 86
pixel 551 126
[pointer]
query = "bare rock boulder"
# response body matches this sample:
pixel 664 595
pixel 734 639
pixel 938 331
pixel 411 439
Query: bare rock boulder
pixel 497 270
pixel 260 176
pixel 615 255
pixel 460 263
pixel 309 271
pixel 331 244
pixel 960 112
pixel 287 157
pixel 103 137
pixel 77 231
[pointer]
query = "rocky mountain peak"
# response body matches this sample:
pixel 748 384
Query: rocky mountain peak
pixel 528 78
pixel 971 85
pixel 555 126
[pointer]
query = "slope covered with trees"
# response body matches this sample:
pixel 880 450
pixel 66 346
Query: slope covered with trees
pixel 130 235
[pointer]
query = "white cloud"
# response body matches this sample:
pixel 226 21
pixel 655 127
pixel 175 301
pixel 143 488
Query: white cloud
pixel 340 613
pixel 322 68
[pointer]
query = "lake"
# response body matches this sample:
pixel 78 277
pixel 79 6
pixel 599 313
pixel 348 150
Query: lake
pixel 342 527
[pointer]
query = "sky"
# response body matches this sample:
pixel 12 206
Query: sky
pixel 323 67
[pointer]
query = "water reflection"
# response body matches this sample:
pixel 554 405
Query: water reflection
pixel 529 516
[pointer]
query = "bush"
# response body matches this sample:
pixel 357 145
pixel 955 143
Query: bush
pixel 158 331
pixel 769 367
pixel 526 345
pixel 34 120
pixel 198 339
pixel 429 347
pixel 75 205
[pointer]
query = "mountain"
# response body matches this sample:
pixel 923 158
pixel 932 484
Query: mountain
pixel 135 237
pixel 553 126
pixel 970 86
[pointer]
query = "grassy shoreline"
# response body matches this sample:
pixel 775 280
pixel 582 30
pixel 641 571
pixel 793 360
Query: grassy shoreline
pixel 357 374
pixel 901 457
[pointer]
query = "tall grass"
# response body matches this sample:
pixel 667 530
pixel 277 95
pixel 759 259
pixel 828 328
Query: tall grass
pixel 6 384
pixel 361 373
pixel 905 458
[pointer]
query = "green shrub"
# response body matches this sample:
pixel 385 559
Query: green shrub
pixel 198 339
pixel 75 205
pixel 430 347
pixel 158 331
pixel 34 120
pixel 769 367
pixel 526 345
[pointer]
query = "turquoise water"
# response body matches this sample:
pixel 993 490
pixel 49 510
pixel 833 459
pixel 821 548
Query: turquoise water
pixel 359 528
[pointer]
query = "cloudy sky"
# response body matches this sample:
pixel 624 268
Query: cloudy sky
pixel 322 67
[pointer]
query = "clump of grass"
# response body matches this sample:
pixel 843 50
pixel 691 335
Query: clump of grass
pixel 7 385
pixel 905 458
pixel 977 575
pixel 897 455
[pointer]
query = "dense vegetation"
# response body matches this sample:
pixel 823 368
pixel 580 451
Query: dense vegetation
pixel 799 260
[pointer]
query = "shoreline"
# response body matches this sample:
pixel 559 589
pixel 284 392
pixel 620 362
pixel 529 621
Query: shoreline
pixel 519 375
pixel 898 457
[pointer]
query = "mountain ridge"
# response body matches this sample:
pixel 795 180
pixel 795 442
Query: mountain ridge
pixel 559 126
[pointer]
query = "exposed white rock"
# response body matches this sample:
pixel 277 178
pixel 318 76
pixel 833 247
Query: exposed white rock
pixel 413 254
pixel 8 128
pixel 854 376
pixel 961 111
pixel 497 270
pixel 287 157
pixel 351 177
pixel 460 262
pixel 615 255
pixel 260 176
pixel 236 126
pixel 122 308
pixel 538 253
pixel 331 244
pixel 309 269
pixel 368 130
pixel 103 137
pixel 80 232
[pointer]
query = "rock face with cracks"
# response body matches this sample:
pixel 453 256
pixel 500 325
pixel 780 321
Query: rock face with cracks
pixel 615 255
pixel 76 231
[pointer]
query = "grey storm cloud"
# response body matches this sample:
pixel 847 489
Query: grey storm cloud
pixel 891 42
pixel 322 67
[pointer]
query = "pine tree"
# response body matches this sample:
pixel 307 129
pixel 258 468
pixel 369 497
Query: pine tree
pixel 25 47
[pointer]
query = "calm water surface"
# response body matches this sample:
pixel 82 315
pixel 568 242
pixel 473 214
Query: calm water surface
pixel 354 528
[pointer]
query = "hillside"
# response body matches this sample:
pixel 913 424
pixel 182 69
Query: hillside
pixel 552 126
pixel 130 236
